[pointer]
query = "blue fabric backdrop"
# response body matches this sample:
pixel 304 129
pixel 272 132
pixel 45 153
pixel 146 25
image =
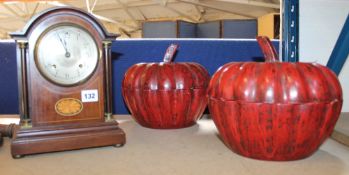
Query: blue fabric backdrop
pixel 210 53
pixel 209 30
pixel 239 28
pixel 8 78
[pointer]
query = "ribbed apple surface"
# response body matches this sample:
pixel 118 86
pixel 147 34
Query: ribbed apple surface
pixel 274 110
pixel 166 95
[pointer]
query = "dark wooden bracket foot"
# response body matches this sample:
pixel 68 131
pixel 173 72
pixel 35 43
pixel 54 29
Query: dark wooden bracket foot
pixel 6 131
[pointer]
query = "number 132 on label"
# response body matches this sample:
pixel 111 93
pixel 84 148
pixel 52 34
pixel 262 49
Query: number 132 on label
pixel 89 95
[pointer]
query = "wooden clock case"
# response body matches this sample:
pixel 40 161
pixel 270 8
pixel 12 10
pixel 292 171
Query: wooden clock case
pixel 42 129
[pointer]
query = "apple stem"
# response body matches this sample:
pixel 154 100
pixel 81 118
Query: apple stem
pixel 170 52
pixel 268 49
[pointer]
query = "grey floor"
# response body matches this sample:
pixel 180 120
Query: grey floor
pixel 193 150
pixel 341 133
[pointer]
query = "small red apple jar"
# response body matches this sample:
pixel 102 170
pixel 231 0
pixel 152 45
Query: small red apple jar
pixel 166 95
pixel 273 110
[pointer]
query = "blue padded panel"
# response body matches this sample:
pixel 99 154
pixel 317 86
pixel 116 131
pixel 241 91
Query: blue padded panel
pixel 239 29
pixel 8 79
pixel 210 53
pixel 186 29
pixel 166 29
pixel 209 30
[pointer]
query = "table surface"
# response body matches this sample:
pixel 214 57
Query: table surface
pixel 192 150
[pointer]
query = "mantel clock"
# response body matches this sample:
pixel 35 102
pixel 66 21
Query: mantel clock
pixel 64 73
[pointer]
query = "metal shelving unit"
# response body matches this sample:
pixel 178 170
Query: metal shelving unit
pixel 290 30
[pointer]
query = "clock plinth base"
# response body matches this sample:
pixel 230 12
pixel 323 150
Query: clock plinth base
pixel 57 138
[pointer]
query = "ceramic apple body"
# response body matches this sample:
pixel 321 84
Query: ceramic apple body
pixel 166 95
pixel 274 110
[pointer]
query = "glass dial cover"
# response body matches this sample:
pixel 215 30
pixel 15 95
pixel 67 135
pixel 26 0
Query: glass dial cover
pixel 66 55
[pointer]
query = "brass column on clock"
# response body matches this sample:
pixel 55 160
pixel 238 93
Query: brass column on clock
pixel 108 79
pixel 22 47
pixel 64 75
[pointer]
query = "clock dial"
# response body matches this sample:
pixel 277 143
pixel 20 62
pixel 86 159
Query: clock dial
pixel 66 55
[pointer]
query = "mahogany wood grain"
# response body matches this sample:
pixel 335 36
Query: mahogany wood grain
pixel 69 137
pixel 47 130
pixel 43 94
pixel 6 131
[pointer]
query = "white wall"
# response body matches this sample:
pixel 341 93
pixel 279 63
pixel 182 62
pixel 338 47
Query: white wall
pixel 320 23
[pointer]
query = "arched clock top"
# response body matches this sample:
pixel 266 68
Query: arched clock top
pixel 64 78
pixel 62 12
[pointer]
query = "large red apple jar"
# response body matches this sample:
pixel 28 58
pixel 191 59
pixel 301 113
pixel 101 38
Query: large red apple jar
pixel 166 95
pixel 272 110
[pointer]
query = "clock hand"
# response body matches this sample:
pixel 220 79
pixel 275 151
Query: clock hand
pixel 64 44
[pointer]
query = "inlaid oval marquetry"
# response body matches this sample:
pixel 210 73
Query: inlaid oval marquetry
pixel 68 106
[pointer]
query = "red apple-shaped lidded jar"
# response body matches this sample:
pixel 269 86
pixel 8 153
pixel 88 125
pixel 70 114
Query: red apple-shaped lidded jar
pixel 274 110
pixel 166 95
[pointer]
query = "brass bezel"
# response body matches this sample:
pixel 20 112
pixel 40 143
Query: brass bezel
pixel 99 55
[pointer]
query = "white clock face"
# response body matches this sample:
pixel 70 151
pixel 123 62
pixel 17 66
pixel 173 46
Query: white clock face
pixel 66 55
